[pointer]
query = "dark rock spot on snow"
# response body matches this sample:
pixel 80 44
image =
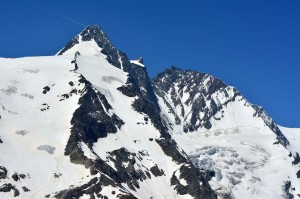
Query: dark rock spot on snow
pixel 128 90
pixel 3 172
pixel 15 177
pixel 7 187
pixel 74 91
pixel 277 142
pixel 23 176
pixel 113 192
pixel 156 171
pixel 74 61
pixel 47 196
pixel 208 174
pixel 46 89
pixel 298 174
pixel 296 159
pixel 150 139
pixel 1 141
pixel 57 175
pixel 71 83
pixel 64 96
pixel 25 189
pixel 45 107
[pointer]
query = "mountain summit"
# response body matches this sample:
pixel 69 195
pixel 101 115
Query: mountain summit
pixel 90 123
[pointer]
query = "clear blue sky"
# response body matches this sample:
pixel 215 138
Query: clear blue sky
pixel 253 45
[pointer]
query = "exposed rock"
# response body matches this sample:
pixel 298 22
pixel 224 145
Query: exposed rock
pixel 296 159
pixel 46 89
pixel 199 87
pixel 93 187
pixel 7 187
pixel 15 177
pixel 193 187
pixel 3 172
pixel 25 189
pixel 170 149
pixel 286 189
pixel 156 171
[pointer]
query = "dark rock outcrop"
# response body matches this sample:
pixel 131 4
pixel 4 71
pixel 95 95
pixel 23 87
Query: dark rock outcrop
pixel 3 172
pixel 92 188
pixel 7 187
pixel 196 188
pixel 46 89
pixel 199 87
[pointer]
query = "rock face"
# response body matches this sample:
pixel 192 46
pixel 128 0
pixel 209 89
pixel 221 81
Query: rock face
pixel 194 99
pixel 193 94
pixel 101 128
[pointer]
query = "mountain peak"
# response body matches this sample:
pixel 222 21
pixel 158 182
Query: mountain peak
pixel 92 40
pixel 94 32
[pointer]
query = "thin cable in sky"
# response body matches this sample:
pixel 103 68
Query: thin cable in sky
pixel 65 17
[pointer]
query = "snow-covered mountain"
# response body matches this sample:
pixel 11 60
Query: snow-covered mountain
pixel 243 151
pixel 90 123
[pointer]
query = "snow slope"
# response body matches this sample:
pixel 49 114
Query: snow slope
pixel 35 126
